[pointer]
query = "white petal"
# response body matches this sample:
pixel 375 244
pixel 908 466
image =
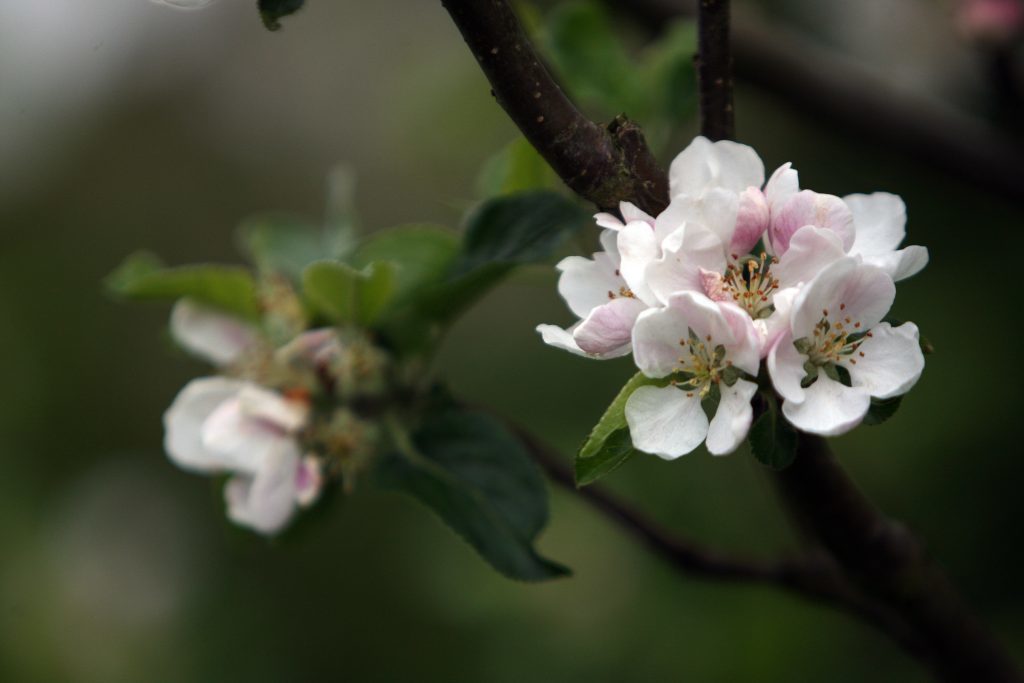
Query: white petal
pixel 829 408
pixel 562 339
pixel 880 219
pixel 723 164
pixel 846 289
pixel 608 327
pixel 732 421
pixel 608 220
pixel 686 254
pixel 783 184
pixel 631 212
pixel 586 284
pixel 786 368
pixel 271 407
pixel 891 363
pixel 810 251
pixel 184 4
pixel 810 208
pixel 184 420
pixel 209 334
pixel 664 421
pixel 638 247
pixel 901 264
pixel 266 502
pixel 239 442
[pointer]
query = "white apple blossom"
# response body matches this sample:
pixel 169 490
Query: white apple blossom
pixel 837 354
pixel 706 348
pixel 217 424
pixel 236 426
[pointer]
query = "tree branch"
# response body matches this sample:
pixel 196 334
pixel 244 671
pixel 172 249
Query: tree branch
pixel 714 70
pixel 826 87
pixel 888 562
pixel 604 165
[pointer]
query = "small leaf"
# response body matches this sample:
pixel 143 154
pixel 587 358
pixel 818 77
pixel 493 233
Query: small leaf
pixel 286 245
pixel 882 409
pixel 517 167
pixel 348 296
pixel 271 11
pixel 477 477
pixel 230 288
pixel 515 229
pixel 615 451
pixel 614 417
pixel 422 254
pixel 772 439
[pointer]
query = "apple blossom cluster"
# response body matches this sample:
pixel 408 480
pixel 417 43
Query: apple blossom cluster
pixel 736 271
pixel 274 418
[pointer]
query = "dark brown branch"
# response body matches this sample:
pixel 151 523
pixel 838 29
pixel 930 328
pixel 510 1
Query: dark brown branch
pixel 714 70
pixel 888 562
pixel 823 86
pixel 603 164
pixel 813 577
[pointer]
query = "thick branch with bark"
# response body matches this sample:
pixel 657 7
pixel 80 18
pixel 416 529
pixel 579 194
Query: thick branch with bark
pixel 602 164
pixel 714 70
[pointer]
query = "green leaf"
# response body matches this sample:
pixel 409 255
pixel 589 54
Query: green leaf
pixel 271 11
pixel 882 409
pixel 517 167
pixel 772 439
pixel 348 296
pixel 422 254
pixel 516 229
pixel 615 451
pixel 479 480
pixel 286 245
pixel 229 288
pixel 588 54
pixel 614 417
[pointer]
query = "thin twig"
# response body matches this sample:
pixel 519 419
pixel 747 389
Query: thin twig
pixel 826 87
pixel 603 164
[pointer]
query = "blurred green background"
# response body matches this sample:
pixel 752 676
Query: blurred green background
pixel 125 125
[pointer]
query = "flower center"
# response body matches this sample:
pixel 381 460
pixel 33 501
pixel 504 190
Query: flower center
pixel 703 366
pixel 748 283
pixel 835 341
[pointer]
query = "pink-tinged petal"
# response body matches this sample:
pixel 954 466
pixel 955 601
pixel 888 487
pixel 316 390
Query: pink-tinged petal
pixel 783 184
pixel 608 327
pixel 732 421
pixel 713 285
pixel 751 221
pixel 845 290
pixel 786 368
pixel 723 164
pixel 880 219
pixel 744 348
pixel 555 336
pixel 241 443
pixel 638 247
pixel 210 334
pixel 586 284
pixel 266 501
pixel 811 250
pixel 184 420
pixel 309 481
pixel 664 421
pixel 810 208
pixel 900 265
pixel 889 362
pixel 829 408
pixel 686 254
